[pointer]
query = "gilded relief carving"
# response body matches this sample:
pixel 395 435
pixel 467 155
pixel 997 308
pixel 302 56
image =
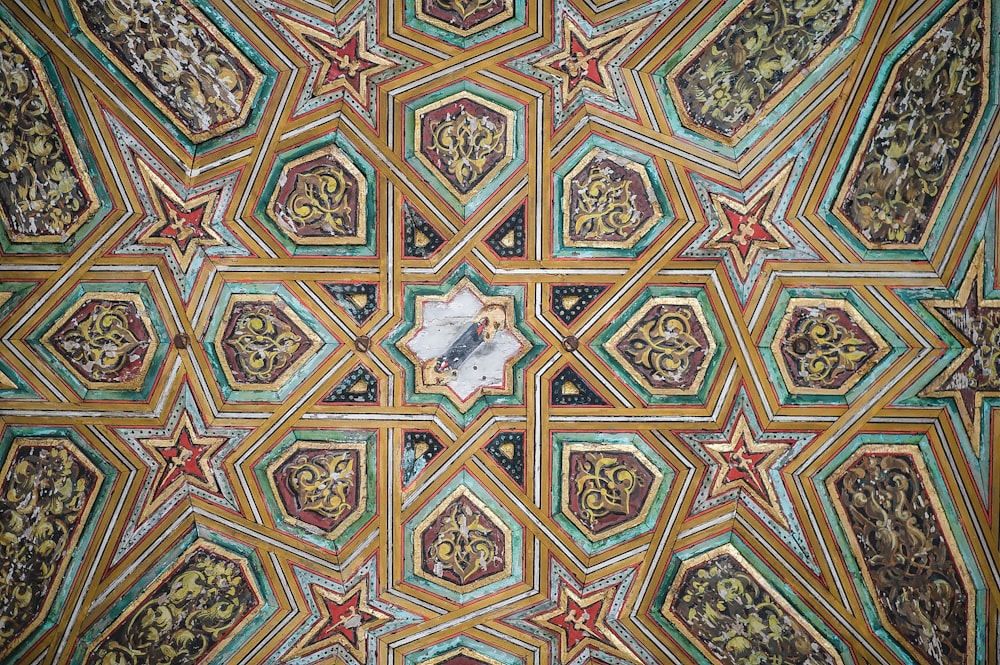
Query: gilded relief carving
pixel 826 345
pixel 735 617
pixel 184 64
pixel 914 145
pixel 462 544
pixel 323 484
pixel 186 617
pixel 607 487
pixel 322 198
pixel 261 342
pixel 463 547
pixel 105 340
pixel 738 72
pixel 45 190
pixel 464 17
pixel 45 497
pixel 667 346
pixel 608 202
pixel 906 551
pixel 465 140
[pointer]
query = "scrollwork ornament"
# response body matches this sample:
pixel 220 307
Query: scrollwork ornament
pixel 604 206
pixel 464 545
pixel 824 350
pixel 662 344
pixel 321 201
pixel 466 143
pixel 264 344
pixel 604 486
pixel 188 615
pixel 322 483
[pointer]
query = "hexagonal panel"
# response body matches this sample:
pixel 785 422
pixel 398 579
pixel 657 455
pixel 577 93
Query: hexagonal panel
pixel 467 139
pixel 825 346
pixel 610 487
pixel 464 544
pixel 465 23
pixel 263 342
pixel 666 344
pixel 320 199
pixel 608 201
pixel 319 485
pixel 261 339
pixel 105 339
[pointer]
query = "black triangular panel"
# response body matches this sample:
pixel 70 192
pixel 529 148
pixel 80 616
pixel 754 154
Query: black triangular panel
pixel 568 389
pixel 507 450
pixel 419 448
pixel 358 300
pixel 569 301
pixel 359 387
pixel 420 239
pixel 508 239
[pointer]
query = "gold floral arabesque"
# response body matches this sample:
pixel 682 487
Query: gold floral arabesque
pixel 932 103
pixel 664 345
pixel 467 141
pixel 605 205
pixel 465 545
pixel 98 346
pixel 189 614
pixel 749 64
pixel 45 191
pixel 264 345
pixel 47 492
pixel 322 483
pixel 465 9
pixel 605 485
pixel 733 615
pixel 920 605
pixel 320 200
pixel 824 348
pixel 181 62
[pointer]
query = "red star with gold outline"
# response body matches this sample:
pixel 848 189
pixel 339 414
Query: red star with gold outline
pixel 181 224
pixel 344 63
pixel 583 62
pixel 975 373
pixel 744 463
pixel 580 621
pixel 346 619
pixel 182 458
pixel 745 227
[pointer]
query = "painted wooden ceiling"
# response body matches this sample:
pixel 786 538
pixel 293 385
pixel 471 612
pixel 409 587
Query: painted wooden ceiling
pixel 499 332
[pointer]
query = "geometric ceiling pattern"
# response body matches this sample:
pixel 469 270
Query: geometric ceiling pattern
pixel 499 332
